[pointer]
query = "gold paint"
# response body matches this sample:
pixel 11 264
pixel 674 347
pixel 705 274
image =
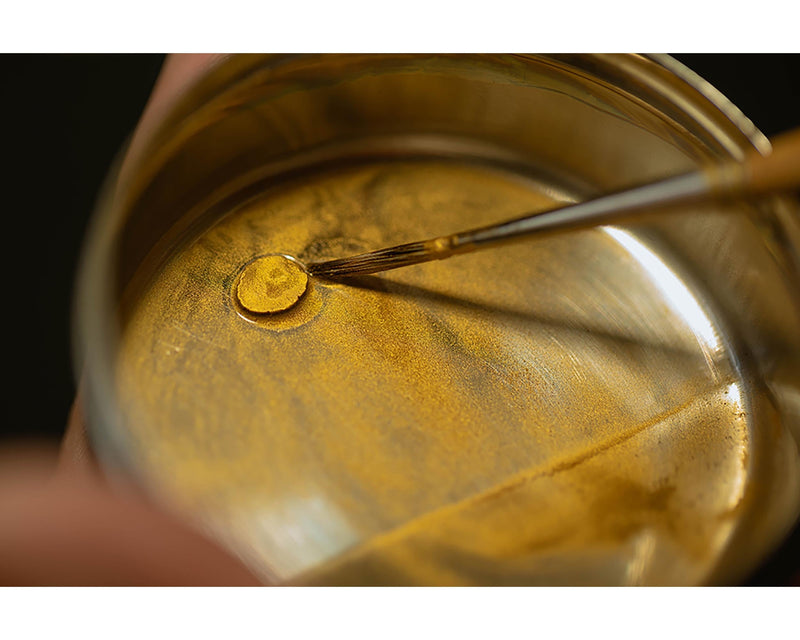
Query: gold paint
pixel 538 413
pixel 303 311
pixel 271 284
pixel 505 545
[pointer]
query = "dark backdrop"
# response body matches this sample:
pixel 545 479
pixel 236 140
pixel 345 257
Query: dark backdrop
pixel 63 119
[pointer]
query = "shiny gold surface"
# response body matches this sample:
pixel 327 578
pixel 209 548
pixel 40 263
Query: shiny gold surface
pixel 615 406
pixel 547 406
pixel 270 284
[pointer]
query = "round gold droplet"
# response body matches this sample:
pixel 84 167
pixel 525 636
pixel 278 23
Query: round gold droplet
pixel 271 284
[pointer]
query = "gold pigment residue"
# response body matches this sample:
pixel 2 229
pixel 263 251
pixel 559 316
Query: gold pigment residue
pixel 538 413
pixel 271 284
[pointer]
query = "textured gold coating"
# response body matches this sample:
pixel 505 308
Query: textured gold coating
pixel 271 284
pixel 618 406
pixel 540 413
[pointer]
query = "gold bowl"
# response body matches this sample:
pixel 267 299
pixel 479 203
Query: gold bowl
pixel 612 406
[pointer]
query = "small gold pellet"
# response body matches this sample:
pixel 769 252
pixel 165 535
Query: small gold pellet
pixel 271 284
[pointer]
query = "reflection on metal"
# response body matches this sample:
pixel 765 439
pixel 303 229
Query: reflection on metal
pixel 644 546
pixel 676 293
pixel 734 396
pixel 299 532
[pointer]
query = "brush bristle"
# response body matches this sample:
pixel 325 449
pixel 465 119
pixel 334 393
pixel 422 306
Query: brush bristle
pixel 371 262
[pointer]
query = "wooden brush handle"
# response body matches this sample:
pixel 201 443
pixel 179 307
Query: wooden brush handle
pixel 778 171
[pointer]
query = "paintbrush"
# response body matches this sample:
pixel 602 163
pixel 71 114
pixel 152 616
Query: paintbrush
pixel 753 176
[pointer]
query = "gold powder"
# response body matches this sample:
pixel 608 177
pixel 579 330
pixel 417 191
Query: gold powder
pixel 539 413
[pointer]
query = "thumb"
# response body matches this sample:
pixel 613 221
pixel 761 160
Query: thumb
pixel 73 530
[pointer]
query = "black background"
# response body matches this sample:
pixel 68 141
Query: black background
pixel 64 118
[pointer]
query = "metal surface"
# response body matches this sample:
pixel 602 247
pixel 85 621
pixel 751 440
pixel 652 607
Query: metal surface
pixel 619 406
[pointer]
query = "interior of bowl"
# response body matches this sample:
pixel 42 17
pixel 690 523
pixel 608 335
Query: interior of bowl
pixel 651 369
